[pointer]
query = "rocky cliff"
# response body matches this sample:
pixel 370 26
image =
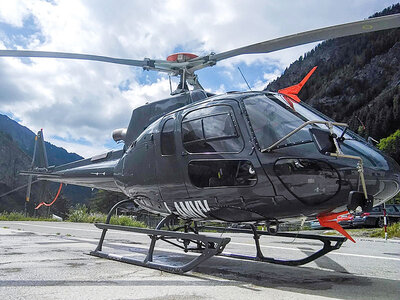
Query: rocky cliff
pixel 357 80
pixel 12 160
pixel 16 149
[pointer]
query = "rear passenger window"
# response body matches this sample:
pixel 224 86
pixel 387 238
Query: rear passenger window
pixel 167 138
pixel 219 126
pixel 192 131
pixel 211 129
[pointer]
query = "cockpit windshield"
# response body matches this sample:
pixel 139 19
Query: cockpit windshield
pixel 271 121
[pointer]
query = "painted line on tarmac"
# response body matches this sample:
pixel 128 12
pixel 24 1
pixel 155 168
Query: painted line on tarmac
pixel 365 256
pixel 334 253
pixel 71 228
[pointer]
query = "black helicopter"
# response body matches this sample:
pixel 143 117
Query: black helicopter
pixel 256 157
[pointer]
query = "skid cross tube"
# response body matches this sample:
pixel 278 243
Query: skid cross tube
pixel 211 245
pixel 326 240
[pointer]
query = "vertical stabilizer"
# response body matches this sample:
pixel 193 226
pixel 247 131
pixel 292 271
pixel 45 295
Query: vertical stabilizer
pixel 39 160
pixel 41 154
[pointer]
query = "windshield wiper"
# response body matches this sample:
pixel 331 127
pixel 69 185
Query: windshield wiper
pixel 287 145
pixel 328 124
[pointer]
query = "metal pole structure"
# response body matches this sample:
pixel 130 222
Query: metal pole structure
pixel 28 191
pixel 385 220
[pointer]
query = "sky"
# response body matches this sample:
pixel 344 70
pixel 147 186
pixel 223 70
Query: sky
pixel 80 103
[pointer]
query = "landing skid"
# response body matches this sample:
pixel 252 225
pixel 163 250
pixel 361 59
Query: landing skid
pixel 207 246
pixel 326 240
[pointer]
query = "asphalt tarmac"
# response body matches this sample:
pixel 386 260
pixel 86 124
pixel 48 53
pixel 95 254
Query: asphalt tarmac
pixel 50 260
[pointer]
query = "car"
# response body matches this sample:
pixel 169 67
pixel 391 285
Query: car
pixel 315 225
pixel 240 226
pixel 375 217
pixel 345 220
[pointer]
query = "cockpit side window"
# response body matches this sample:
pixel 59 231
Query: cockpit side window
pixel 167 138
pixel 211 129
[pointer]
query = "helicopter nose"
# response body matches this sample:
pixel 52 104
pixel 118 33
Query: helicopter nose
pixel 388 189
pixel 381 172
pixel 384 184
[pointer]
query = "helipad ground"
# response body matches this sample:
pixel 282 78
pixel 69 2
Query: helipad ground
pixel 40 260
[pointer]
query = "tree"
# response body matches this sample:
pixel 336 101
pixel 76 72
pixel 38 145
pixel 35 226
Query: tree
pixel 391 145
pixel 103 201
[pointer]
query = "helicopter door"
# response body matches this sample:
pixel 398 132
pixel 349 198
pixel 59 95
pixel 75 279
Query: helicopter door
pixel 219 164
pixel 138 172
pixel 169 174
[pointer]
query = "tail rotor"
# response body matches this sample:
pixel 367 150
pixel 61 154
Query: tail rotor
pixel 39 160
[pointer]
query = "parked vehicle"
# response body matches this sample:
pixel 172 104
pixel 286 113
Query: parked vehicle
pixel 315 225
pixel 345 220
pixel 375 217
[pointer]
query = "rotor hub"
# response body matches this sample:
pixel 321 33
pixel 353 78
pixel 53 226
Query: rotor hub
pixel 181 57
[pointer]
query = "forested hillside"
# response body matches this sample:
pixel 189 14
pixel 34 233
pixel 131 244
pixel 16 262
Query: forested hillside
pixel 12 159
pixel 25 139
pixel 357 80
pixel 16 150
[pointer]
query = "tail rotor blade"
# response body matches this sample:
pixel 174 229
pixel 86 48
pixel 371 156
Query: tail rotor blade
pixel 28 190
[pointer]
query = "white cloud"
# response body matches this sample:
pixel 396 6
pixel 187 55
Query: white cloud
pixel 82 100
pixel 13 12
pixel 267 78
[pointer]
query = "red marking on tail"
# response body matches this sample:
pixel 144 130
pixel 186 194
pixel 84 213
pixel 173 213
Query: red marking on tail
pixel 327 220
pixel 292 91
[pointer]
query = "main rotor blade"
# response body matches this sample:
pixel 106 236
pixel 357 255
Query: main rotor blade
pixel 26 53
pixel 369 25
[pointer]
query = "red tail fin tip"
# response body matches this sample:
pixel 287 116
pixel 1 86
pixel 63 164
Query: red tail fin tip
pixel 327 220
pixel 293 90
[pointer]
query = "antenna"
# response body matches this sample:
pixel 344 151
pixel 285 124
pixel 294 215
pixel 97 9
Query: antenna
pixel 244 78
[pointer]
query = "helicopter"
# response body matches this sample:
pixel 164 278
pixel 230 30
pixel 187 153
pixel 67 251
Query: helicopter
pixel 255 157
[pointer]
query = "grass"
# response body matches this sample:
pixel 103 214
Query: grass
pixel 393 232
pixel 78 215
pixel 100 218
pixel 16 216
pixel 126 221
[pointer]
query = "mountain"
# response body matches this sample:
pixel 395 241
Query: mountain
pixel 357 80
pixel 12 159
pixel 25 138
pixel 16 150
